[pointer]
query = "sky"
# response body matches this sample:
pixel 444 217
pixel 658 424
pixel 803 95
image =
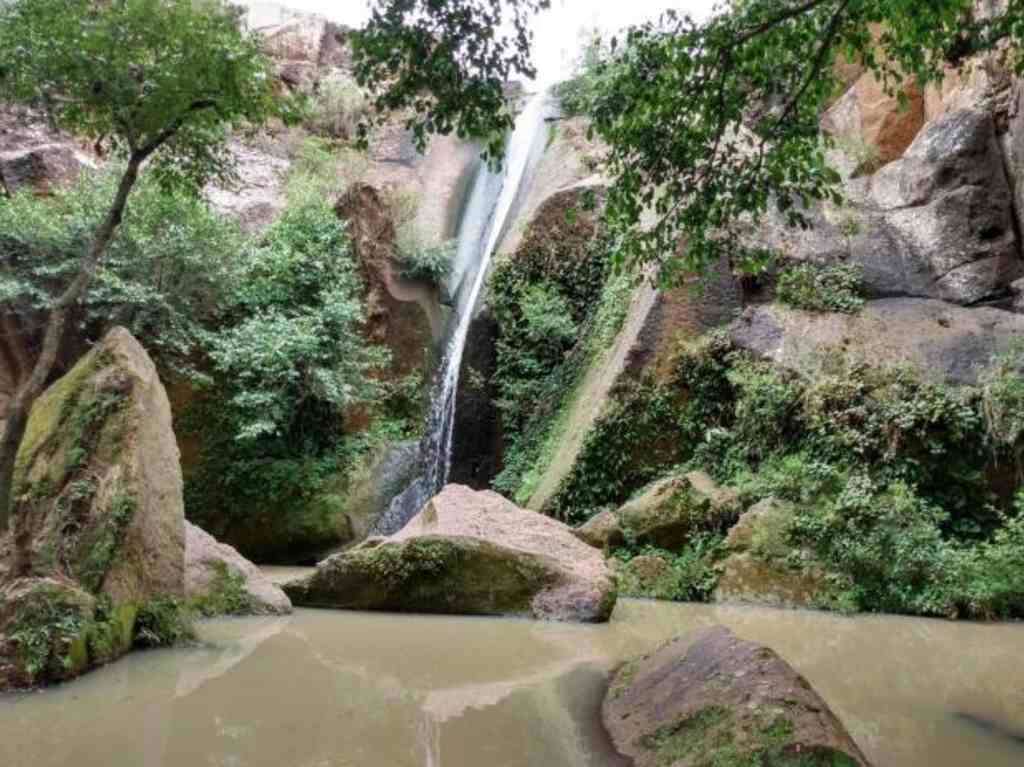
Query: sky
pixel 557 31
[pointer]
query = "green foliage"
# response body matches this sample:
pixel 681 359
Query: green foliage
pixel 163 622
pixel 163 76
pixel 690 574
pixel 161 279
pixel 577 93
pixel 291 350
pixel 427 263
pixel 817 288
pixel 42 629
pixel 227 597
pixel 712 124
pixel 888 474
pixel 449 62
pixel 337 109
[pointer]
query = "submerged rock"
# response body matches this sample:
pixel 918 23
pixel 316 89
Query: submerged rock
pixel 99 524
pixel 665 515
pixel 217 575
pixel 722 700
pixel 468 552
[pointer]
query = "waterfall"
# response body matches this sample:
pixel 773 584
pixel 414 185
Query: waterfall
pixel 492 203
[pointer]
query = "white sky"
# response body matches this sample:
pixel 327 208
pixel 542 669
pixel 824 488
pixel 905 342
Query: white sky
pixel 557 31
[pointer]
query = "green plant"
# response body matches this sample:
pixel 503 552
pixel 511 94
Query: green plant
pixel 688 575
pixel 228 596
pixel 163 622
pixel 337 109
pixel 426 263
pixel 818 288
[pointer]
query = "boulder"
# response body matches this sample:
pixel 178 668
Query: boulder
pixel 717 699
pixel 97 485
pixel 40 168
pixel 666 514
pixel 217 575
pixel 467 552
pixel 372 486
pixel 937 223
pixel 941 342
pixel 99 526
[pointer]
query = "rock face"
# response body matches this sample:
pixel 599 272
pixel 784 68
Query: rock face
pixel 210 566
pixel 937 223
pixel 373 485
pixel 99 526
pixel 665 515
pixel 722 700
pixel 468 552
pixel 942 342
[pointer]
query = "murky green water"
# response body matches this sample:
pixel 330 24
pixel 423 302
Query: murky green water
pixel 333 689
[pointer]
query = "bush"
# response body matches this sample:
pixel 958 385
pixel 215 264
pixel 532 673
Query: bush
pixel 689 575
pixel 337 109
pixel 819 288
pixel 426 263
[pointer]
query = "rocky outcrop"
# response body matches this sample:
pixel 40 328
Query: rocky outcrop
pixel 385 474
pixel 665 515
pixel 217 574
pixel 97 511
pixel 467 552
pixel 717 699
pixel 940 341
pixel 33 157
pixel 937 223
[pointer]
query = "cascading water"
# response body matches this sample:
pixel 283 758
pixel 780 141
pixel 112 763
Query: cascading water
pixel 491 205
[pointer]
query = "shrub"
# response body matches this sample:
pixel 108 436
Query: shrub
pixel 426 263
pixel 820 288
pixel 337 109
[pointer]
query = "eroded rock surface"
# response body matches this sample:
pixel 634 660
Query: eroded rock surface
pixel 720 700
pixel 468 552
pixel 212 567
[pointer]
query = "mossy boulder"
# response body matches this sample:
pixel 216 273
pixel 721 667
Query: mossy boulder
pixel 715 699
pixel 219 580
pixel 99 525
pixel 665 515
pixel 468 553
pixel 760 568
pixel 648 576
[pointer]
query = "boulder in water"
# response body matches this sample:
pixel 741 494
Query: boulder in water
pixel 721 700
pixel 99 524
pixel 472 553
pixel 219 577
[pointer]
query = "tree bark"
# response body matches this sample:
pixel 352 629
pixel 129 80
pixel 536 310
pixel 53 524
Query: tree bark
pixel 17 411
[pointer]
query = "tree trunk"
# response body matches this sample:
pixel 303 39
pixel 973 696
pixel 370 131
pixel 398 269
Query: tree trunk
pixel 17 411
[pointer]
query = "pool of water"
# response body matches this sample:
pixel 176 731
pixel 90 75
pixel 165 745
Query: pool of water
pixel 344 689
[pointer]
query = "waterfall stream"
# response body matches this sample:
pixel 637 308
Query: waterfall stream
pixel 491 206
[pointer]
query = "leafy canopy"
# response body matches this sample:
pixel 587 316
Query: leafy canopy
pixel 448 61
pixel 140 75
pixel 711 125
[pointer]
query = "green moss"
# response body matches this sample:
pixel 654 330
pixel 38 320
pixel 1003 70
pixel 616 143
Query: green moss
pixel 818 288
pixel 227 597
pixel 163 622
pixel 96 554
pixel 698 735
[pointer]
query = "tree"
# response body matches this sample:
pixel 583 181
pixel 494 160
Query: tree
pixel 157 81
pixel 712 125
pixel 448 62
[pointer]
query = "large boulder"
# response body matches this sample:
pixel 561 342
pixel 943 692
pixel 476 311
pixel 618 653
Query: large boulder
pixel 942 342
pixel 937 223
pixel 41 168
pixel 666 514
pixel 467 552
pixel 720 700
pixel 217 576
pixel 97 485
pixel 99 526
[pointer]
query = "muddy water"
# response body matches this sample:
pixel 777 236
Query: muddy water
pixel 337 689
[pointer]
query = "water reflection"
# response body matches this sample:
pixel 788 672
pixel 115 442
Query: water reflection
pixel 325 689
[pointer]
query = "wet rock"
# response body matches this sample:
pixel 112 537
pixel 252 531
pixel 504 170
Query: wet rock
pixel 210 567
pixel 665 515
pixel 373 486
pixel 467 552
pixel 942 342
pixel 716 699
